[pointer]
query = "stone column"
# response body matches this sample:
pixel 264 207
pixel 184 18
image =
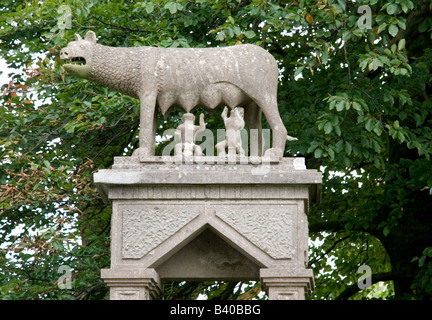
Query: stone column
pixel 287 283
pixel 132 284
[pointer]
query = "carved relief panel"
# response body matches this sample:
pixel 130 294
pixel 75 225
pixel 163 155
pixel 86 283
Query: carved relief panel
pixel 270 227
pixel 145 227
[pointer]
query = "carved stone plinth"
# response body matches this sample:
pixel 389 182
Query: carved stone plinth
pixel 287 283
pixel 132 284
pixel 204 221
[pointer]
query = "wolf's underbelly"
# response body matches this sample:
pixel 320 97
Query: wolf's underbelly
pixel 209 97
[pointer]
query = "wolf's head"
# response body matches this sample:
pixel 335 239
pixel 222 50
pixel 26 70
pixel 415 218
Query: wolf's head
pixel 79 53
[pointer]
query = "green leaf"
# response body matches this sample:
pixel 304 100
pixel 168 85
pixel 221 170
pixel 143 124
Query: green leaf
pixel 328 128
pixel 318 153
pixel 346 35
pixel 221 35
pixel 339 146
pixel 378 128
pixel 335 120
pixel 250 34
pixel 331 153
pixel 376 146
pixel 149 7
pixel 348 148
pixel 356 106
pixel 393 30
pixel 172 7
pixel 375 64
pixel 47 167
pixel 338 131
pixel 342 104
pixel 386 230
pixel 57 245
pixel 298 71
pixel 422 260
pixel 102 120
pixel 392 8
pixel 369 124
pixel 423 26
pixel 401 44
pixel 342 4
pixel 400 136
pixel 312 147
pixel 382 27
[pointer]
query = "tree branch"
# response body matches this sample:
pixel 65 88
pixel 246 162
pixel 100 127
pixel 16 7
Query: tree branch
pixel 328 250
pixel 354 288
pixel 330 226
pixel 410 21
pixel 251 293
pixel 404 33
pixel 114 26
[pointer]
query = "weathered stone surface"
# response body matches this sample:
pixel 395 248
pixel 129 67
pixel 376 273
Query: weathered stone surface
pixel 269 227
pixel 185 135
pixel 132 284
pixel 208 256
pixel 201 218
pixel 287 283
pixel 252 181
pixel 145 227
pixel 233 125
pixel 237 76
pixel 207 222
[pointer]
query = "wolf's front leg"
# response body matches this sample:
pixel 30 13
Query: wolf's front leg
pixel 147 131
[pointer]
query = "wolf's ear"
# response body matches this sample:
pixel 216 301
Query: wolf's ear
pixel 90 36
pixel 77 37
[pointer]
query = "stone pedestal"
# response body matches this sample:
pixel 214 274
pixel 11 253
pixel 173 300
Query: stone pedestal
pixel 287 283
pixel 132 284
pixel 208 221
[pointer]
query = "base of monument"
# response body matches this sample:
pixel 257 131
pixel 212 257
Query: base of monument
pixel 196 222
pixel 270 156
pixel 145 284
pixel 132 284
pixel 287 284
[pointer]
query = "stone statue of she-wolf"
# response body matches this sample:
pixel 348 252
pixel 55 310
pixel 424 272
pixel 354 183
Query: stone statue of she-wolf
pixel 242 75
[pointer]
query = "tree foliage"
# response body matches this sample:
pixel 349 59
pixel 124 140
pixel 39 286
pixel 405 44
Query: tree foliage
pixel 357 96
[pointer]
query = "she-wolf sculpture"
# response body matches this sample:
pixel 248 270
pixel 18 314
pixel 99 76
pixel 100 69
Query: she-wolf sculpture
pixel 242 75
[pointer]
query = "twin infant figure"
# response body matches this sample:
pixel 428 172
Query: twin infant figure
pixel 186 133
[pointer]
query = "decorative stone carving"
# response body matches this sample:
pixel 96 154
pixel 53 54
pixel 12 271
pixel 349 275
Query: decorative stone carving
pixel 242 75
pixel 233 126
pixel 132 284
pixel 192 222
pixel 186 133
pixel 208 256
pixel 269 227
pixel 144 229
pixel 230 222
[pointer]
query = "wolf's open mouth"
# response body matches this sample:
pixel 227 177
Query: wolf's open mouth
pixel 78 61
pixel 77 66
